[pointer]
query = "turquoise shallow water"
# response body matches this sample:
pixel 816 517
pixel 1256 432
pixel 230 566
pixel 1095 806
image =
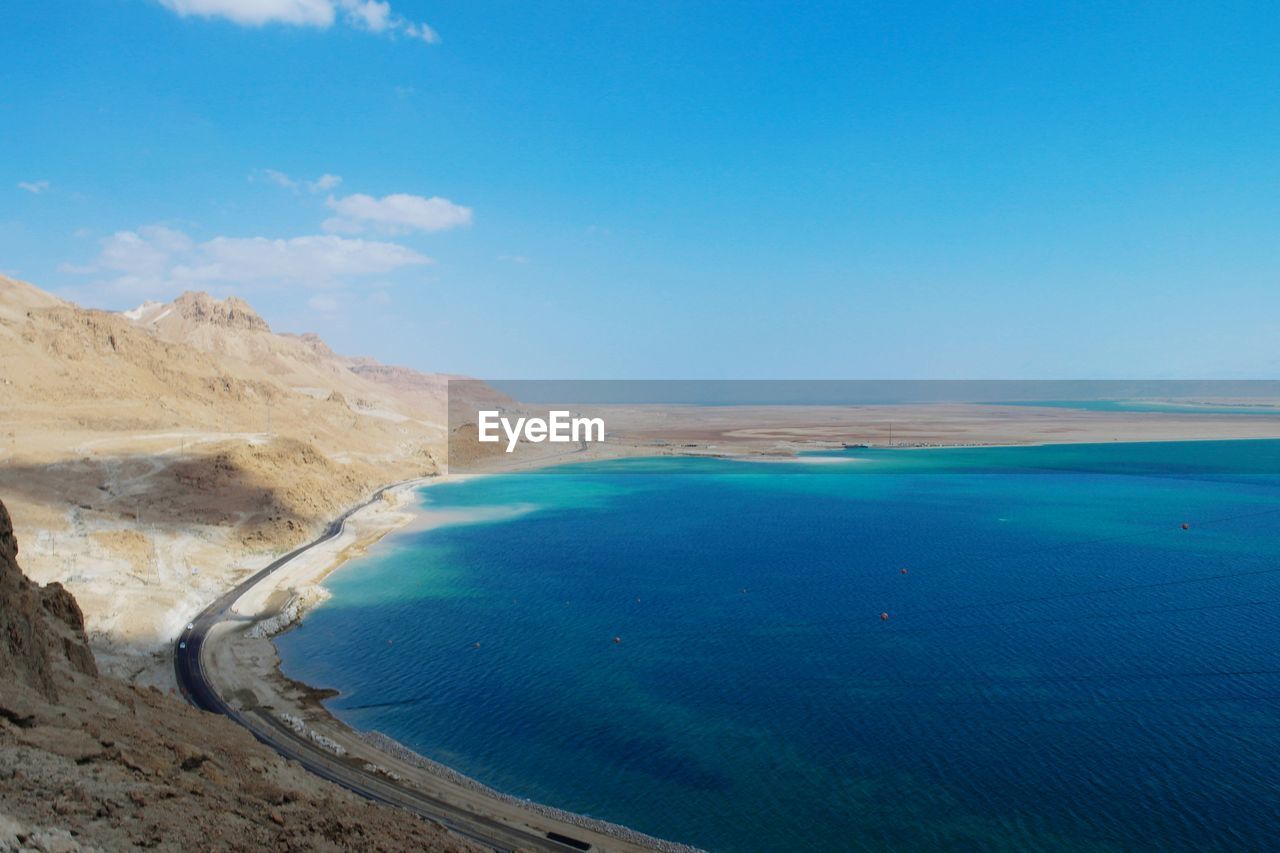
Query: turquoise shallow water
pixel 1064 667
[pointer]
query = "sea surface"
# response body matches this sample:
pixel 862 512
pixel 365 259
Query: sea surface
pixel 1166 406
pixel 695 648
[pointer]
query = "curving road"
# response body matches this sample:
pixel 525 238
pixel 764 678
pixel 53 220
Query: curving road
pixel 197 690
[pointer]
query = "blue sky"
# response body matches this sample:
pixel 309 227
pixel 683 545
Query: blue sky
pixel 667 189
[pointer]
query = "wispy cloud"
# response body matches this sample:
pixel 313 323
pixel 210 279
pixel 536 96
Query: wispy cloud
pixel 34 187
pixel 323 302
pixel 374 16
pixel 312 259
pixel 324 183
pixel 155 259
pixel 145 253
pixel 255 13
pixel 395 213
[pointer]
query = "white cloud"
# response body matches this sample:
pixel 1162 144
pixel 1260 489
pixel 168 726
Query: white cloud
pixel 514 259
pixel 323 302
pixel 280 179
pixel 370 15
pixel 324 182
pixel 255 13
pixel 395 213
pixel 144 253
pixel 166 239
pixel 300 259
pixel 421 31
pixel 321 184
pixel 155 259
pixel 34 187
pixel 374 16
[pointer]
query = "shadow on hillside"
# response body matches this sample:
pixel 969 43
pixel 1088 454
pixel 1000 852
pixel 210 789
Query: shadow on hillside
pixel 172 493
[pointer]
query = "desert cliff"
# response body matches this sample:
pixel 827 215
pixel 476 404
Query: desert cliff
pixel 88 762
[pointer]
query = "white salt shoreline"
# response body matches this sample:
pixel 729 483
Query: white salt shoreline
pixel 301 578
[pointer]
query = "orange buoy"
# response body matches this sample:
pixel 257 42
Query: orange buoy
pixel 884 617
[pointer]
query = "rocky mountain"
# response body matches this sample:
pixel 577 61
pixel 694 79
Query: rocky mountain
pixel 304 363
pixel 230 313
pixel 42 638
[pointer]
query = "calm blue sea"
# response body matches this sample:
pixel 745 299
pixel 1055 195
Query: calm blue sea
pixel 1168 407
pixel 1063 667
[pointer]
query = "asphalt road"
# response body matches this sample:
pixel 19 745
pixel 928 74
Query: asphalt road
pixel 350 774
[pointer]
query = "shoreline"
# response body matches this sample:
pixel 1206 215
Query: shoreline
pixel 367 526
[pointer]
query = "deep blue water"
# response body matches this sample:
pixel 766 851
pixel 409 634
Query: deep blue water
pixel 1148 406
pixel 1063 667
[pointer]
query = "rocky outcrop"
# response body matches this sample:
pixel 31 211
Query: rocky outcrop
pixel 88 762
pixel 230 313
pixel 313 342
pixel 42 627
pixel 396 377
pixel 299 603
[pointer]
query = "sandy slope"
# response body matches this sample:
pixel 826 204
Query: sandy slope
pixel 150 460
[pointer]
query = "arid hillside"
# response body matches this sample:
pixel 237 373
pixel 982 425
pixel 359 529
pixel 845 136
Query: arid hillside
pixel 230 330
pixel 89 762
pixel 152 457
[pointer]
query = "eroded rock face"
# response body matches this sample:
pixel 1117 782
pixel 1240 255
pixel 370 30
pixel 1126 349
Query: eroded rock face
pixel 231 313
pixel 8 542
pixel 41 628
